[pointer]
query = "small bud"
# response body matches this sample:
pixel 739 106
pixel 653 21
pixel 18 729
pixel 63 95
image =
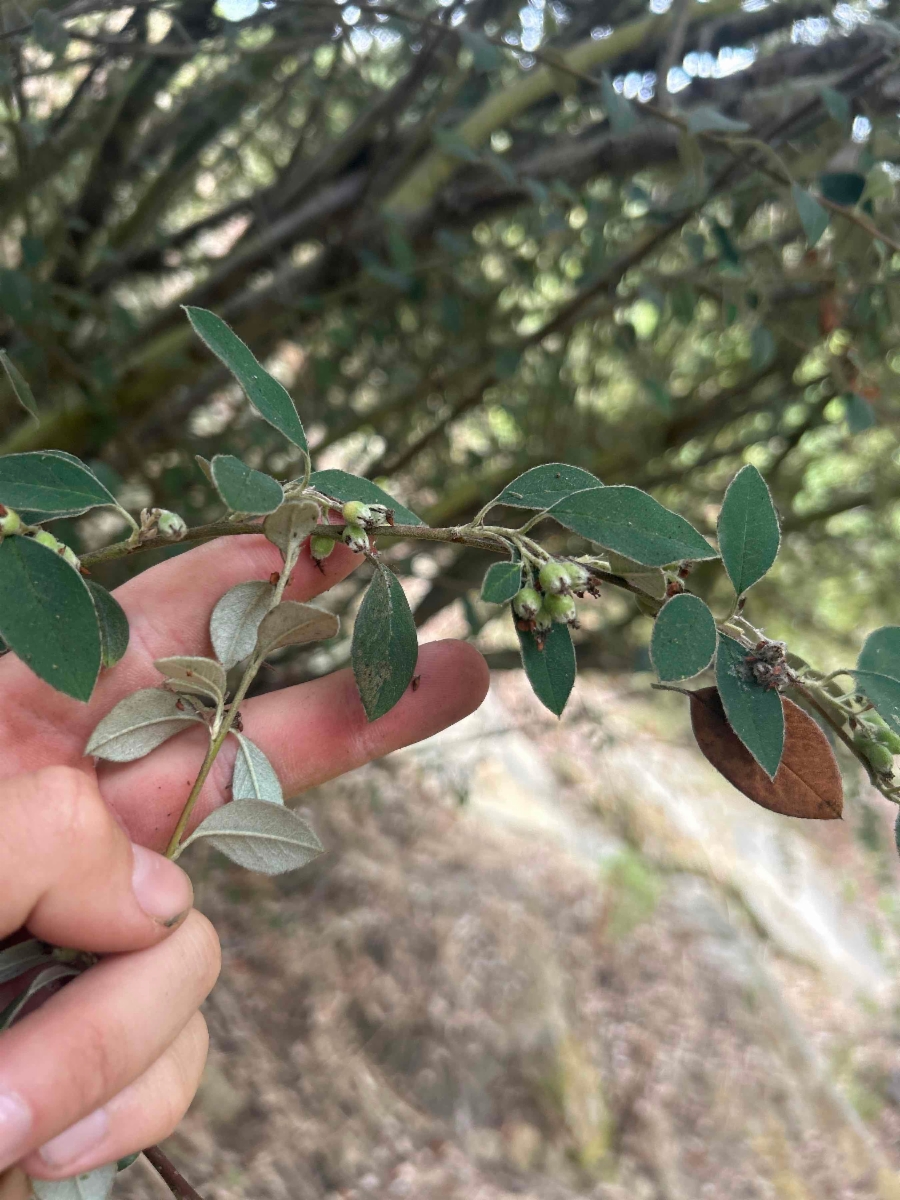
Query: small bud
pixel 71 557
pixel 44 538
pixel 879 756
pixel 170 525
pixel 554 578
pixel 561 609
pixel 888 738
pixel 320 547
pixel 10 521
pixel 356 538
pixel 355 512
pixel 578 575
pixel 527 603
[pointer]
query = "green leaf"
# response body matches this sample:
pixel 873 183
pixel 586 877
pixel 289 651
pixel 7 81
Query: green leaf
pixel 684 638
pixel 47 616
pixel 857 413
pixel 48 481
pixel 243 489
pixel 619 112
pixel 749 536
pixel 113 624
pixel 542 487
pixel 91 1185
pixel 813 217
pixel 140 723
pixel 254 776
pixel 627 520
pixel 842 187
pixel 341 485
pixel 550 666
pixel 385 647
pixel 52 974
pixel 762 348
pixel 836 104
pixel 455 145
pixel 194 676
pixel 16 960
pixel 19 385
pixel 501 582
pixel 706 119
pixel 291 623
pixel 485 56
pixel 754 713
pixel 270 399
pixel 236 618
pixel 878 672
pixel 259 835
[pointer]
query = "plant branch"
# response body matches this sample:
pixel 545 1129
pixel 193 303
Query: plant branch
pixel 170 1175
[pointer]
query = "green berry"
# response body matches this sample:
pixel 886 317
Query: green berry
pixel 356 538
pixel 878 755
pixel 888 738
pixel 355 512
pixel 578 575
pixel 44 538
pixel 553 578
pixel 170 525
pixel 561 609
pixel 527 603
pixel 543 621
pixel 320 547
pixel 10 521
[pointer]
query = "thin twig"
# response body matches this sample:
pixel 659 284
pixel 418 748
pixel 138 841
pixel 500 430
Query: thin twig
pixel 170 1175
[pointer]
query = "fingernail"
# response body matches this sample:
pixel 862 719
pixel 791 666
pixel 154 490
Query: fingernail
pixel 15 1125
pixel 161 888
pixel 76 1141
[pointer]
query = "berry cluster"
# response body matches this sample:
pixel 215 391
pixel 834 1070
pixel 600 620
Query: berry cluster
pixel 551 600
pixel 359 518
pixel 877 742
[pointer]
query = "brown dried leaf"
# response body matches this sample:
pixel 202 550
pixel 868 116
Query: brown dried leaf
pixel 808 781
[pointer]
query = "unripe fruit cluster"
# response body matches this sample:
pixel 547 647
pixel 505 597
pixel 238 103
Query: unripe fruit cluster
pixel 367 516
pixel 10 521
pixel 320 547
pixel 65 552
pixel 879 744
pixel 551 602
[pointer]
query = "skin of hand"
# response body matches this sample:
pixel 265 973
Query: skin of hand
pixel 110 1063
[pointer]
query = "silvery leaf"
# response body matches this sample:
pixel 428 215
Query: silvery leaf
pixel 291 524
pixel 18 959
pixel 236 618
pixel 198 676
pixel 92 1185
pixel 140 723
pixel 260 836
pixel 254 777
pixel 293 624
pixel 49 975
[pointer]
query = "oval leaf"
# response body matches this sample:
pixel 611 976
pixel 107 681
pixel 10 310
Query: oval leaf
pixel 385 647
pixel 290 525
pixel 260 836
pixel 52 974
pixel 808 781
pixel 627 520
pixel 243 489
pixel 19 385
pixel 542 487
pixel 684 638
pixel 550 666
pixel 236 618
pixel 50 482
pixel 196 676
pixel 91 1185
pixel 649 579
pixel 706 119
pixel 270 398
pixel 343 486
pixel 878 672
pixel 140 723
pixel 254 776
pixel 749 536
pixel 293 624
pixel 47 616
pixel 16 960
pixel 501 582
pixel 754 713
pixel 813 217
pixel 114 632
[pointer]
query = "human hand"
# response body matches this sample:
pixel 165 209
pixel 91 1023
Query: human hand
pixel 110 1064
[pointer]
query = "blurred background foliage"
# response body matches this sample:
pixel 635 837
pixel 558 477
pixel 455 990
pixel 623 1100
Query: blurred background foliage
pixel 470 238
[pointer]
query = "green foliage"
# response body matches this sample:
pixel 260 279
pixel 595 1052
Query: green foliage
pixel 749 535
pixel 754 712
pixel 549 663
pixel 501 582
pixel 50 483
pixel 684 638
pixel 544 486
pixel 113 624
pixel 385 647
pixel 261 836
pixel 813 217
pixel 243 489
pixel 877 673
pixel 47 616
pixel 343 486
pixel 19 385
